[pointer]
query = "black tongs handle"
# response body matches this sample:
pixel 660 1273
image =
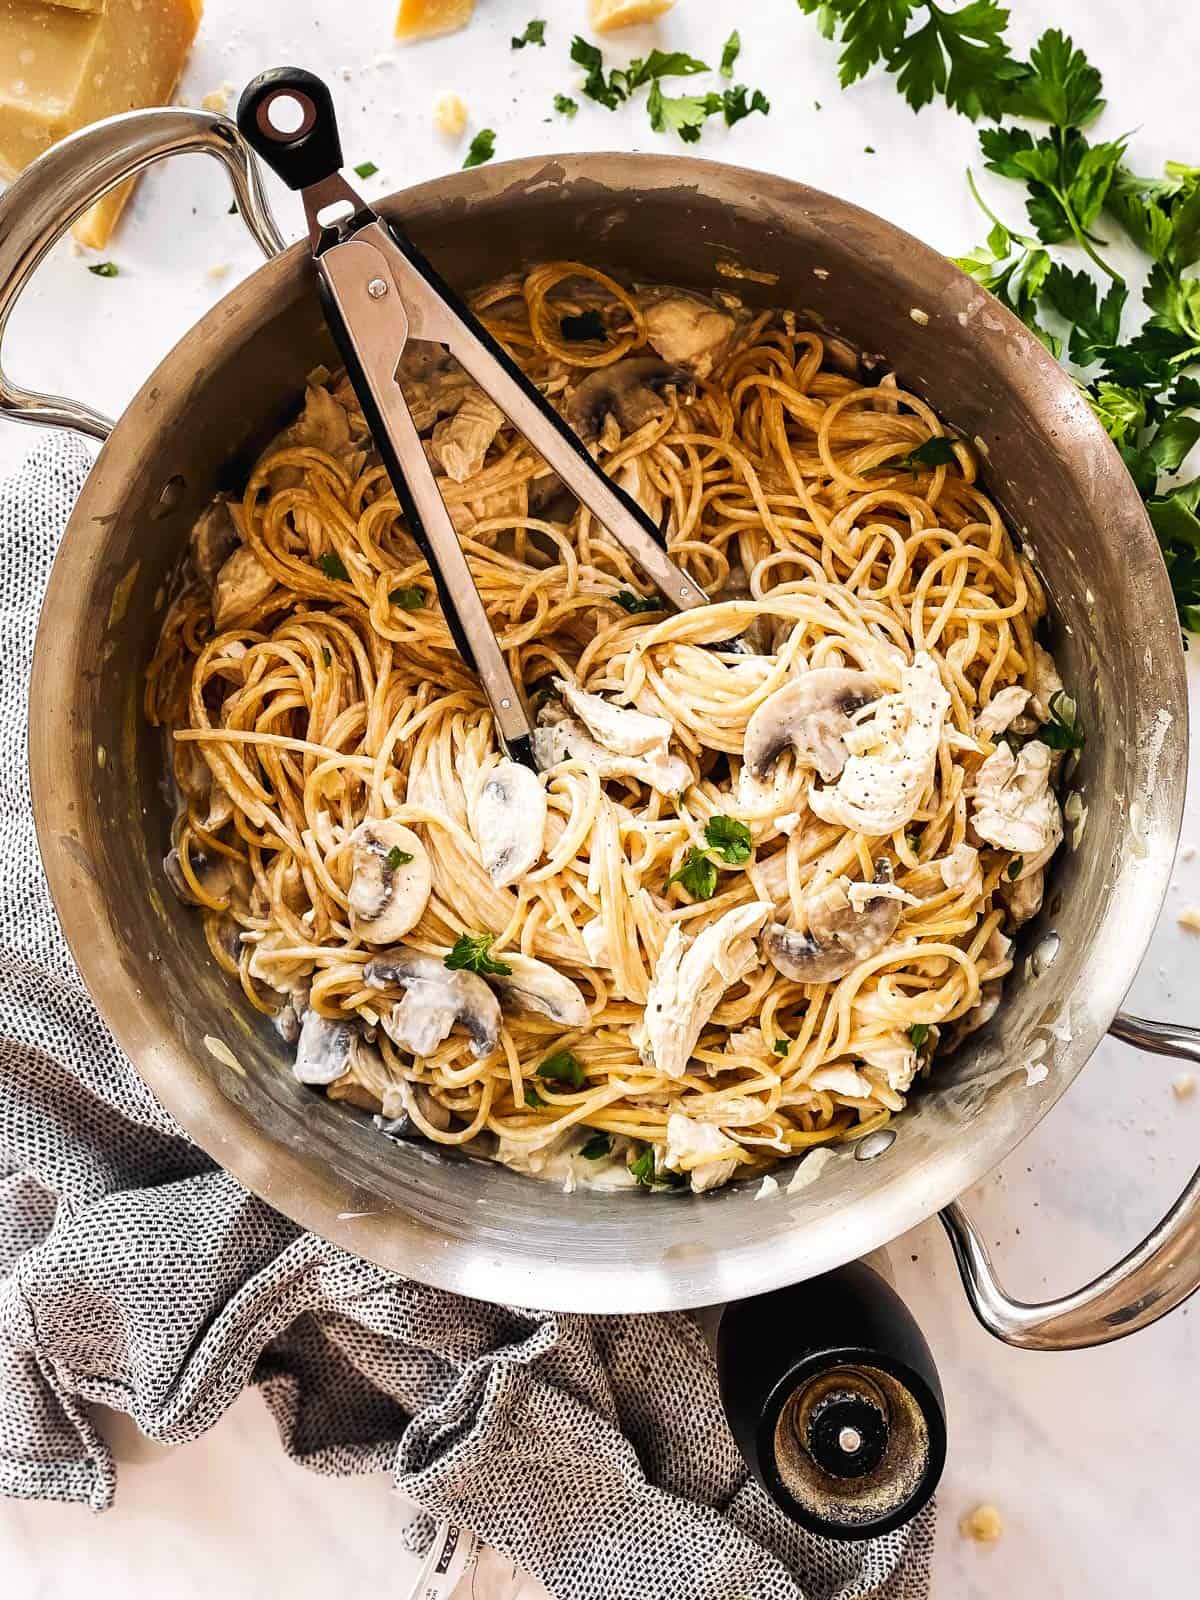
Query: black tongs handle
pixel 286 116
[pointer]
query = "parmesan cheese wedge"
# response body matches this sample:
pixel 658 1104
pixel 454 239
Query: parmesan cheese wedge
pixel 425 19
pixel 65 63
pixel 609 14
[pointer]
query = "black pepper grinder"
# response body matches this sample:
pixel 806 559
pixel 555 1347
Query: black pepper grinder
pixel 833 1397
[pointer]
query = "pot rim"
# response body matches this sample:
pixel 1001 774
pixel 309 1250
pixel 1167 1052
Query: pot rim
pixel 336 1208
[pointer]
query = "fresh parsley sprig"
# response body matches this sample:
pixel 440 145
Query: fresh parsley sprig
pixel 683 114
pixel 726 838
pixel 469 953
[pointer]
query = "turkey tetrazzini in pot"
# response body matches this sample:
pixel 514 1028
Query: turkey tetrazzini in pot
pixel 777 848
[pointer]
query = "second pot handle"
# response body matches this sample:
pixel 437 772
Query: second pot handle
pixel 1154 1278
pixel 39 206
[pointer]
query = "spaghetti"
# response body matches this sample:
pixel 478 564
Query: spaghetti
pixel 311 687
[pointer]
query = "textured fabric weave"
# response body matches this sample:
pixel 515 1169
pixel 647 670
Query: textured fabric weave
pixel 133 1272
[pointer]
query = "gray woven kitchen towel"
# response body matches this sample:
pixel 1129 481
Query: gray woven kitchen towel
pixel 133 1272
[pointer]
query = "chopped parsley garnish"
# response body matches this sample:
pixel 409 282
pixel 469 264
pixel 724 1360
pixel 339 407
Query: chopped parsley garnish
pixel 1137 381
pixel 535 33
pixel 562 1067
pixel 470 954
pixel 597 1147
pixel 1063 731
pixel 782 1046
pixel 935 452
pixel 399 858
pixel 1013 871
pixel 586 325
pixel 533 1098
pixel 366 169
pixel 637 603
pixel 408 599
pixel 483 148
pixel 104 269
pixel 918 1034
pixel 698 875
pixel 565 106
pixel 647 1174
pixel 729 54
pixel 326 657
pixel 332 565
pixel 729 838
pixel 681 114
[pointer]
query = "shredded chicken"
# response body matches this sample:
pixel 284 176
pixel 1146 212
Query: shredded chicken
pixel 690 981
pixel 893 756
pixel 1001 711
pixel 700 1150
pixel 1014 807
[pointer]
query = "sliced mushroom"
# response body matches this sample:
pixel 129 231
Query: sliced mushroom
pixel 535 986
pixel 242 583
pixel 508 820
pixel 688 329
pixel 390 886
pixel 214 873
pixel 811 714
pixel 214 539
pixel 631 391
pixel 399 1100
pixel 1024 896
pixel 287 1021
pixel 324 1050
pixel 690 980
pixel 436 998
pixel 838 936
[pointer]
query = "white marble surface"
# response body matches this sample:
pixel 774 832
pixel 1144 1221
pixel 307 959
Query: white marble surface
pixel 1091 1458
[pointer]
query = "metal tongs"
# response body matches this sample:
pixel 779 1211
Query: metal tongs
pixel 378 292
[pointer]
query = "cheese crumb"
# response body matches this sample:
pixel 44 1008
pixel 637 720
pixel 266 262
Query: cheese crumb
pixel 217 99
pixel 218 270
pixel 1184 1086
pixel 921 318
pixel 608 14
pixel 1189 918
pixel 983 1525
pixel 449 113
pixel 1188 853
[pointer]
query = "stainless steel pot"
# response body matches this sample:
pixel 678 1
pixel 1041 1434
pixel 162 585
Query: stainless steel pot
pixel 103 824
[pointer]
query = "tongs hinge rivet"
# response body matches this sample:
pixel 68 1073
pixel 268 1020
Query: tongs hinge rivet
pixel 377 288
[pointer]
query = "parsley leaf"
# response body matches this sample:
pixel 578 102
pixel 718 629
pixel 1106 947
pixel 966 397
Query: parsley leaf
pixel 782 1046
pixel 683 114
pixel 918 1034
pixel 366 169
pixel 729 838
pixel 735 105
pixel 332 565
pixel 597 1147
pixel 562 1067
pixel 935 452
pixel 565 106
pixel 1013 871
pixel 637 603
pixel 661 64
pixel 104 269
pixel 1062 86
pixel 606 91
pixel 1064 731
pixel 1095 324
pixel 408 599
pixel 535 33
pixel 470 954
pixel 587 325
pixel 698 875
pixel 645 1170
pixel 483 148
pixel 731 51
pixel 398 858
pixel 533 1098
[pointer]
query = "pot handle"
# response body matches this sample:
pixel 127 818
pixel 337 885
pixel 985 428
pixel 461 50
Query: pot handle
pixel 1154 1278
pixel 40 205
